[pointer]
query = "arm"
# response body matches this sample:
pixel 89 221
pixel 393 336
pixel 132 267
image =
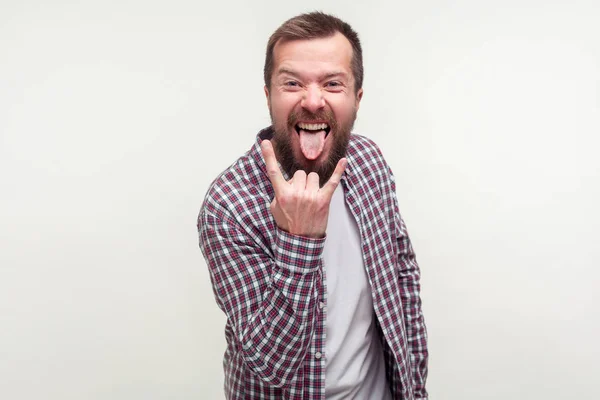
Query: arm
pixel 270 296
pixel 409 275
pixel 270 299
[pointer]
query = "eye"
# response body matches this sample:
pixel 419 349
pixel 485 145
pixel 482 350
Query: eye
pixel 291 84
pixel 334 85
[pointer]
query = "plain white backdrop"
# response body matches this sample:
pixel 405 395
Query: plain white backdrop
pixel 116 115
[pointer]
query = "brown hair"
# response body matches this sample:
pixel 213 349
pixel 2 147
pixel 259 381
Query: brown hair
pixel 315 25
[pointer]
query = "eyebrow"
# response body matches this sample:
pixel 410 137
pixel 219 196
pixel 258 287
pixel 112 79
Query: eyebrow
pixel 282 71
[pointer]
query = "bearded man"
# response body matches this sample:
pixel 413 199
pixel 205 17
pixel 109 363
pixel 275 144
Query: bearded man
pixel 308 255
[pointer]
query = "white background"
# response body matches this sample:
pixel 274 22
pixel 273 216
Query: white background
pixel 116 115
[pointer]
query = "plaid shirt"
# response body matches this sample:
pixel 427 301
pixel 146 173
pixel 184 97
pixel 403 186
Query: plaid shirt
pixel 271 287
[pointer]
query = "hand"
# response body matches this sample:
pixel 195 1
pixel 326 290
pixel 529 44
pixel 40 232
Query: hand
pixel 300 207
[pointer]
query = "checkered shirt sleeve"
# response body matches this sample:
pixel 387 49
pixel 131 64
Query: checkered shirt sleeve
pixel 273 318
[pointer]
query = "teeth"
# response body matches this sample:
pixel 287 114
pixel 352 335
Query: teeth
pixel 313 127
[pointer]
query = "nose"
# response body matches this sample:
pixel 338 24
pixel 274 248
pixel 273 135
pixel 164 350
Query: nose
pixel 313 99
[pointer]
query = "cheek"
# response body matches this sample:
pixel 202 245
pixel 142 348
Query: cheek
pixel 342 115
pixel 283 103
pixel 342 108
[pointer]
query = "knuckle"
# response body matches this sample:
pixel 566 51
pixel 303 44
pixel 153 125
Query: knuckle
pixel 307 196
pixel 289 197
pixel 283 201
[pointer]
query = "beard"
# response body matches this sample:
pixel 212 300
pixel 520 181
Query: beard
pixel 339 133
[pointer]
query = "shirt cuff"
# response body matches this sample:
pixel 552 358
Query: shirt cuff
pixel 298 254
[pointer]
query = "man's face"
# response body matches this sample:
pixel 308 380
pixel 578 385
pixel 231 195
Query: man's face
pixel 313 103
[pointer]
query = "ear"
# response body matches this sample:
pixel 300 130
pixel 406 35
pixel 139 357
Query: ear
pixel 359 95
pixel 267 94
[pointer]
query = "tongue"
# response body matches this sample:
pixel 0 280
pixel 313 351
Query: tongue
pixel 312 143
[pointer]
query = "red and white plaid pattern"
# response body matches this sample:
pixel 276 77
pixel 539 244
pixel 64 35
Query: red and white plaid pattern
pixel 270 283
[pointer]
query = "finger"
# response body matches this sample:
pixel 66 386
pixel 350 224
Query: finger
pixel 299 180
pixel 312 182
pixel 334 181
pixel 273 171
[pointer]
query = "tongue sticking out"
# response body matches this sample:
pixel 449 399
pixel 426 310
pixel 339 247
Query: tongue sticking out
pixel 312 143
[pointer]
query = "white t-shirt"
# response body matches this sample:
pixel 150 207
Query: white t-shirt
pixel 355 367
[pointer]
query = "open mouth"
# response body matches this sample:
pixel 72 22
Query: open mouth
pixel 312 137
pixel 313 128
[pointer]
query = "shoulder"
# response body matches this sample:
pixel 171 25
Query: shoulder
pixel 234 189
pixel 239 189
pixel 360 144
pixel 366 157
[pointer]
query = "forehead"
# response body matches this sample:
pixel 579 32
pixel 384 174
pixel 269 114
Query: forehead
pixel 330 52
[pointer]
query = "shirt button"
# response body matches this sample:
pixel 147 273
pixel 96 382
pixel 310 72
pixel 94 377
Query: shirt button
pixel 321 305
pixel 318 355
